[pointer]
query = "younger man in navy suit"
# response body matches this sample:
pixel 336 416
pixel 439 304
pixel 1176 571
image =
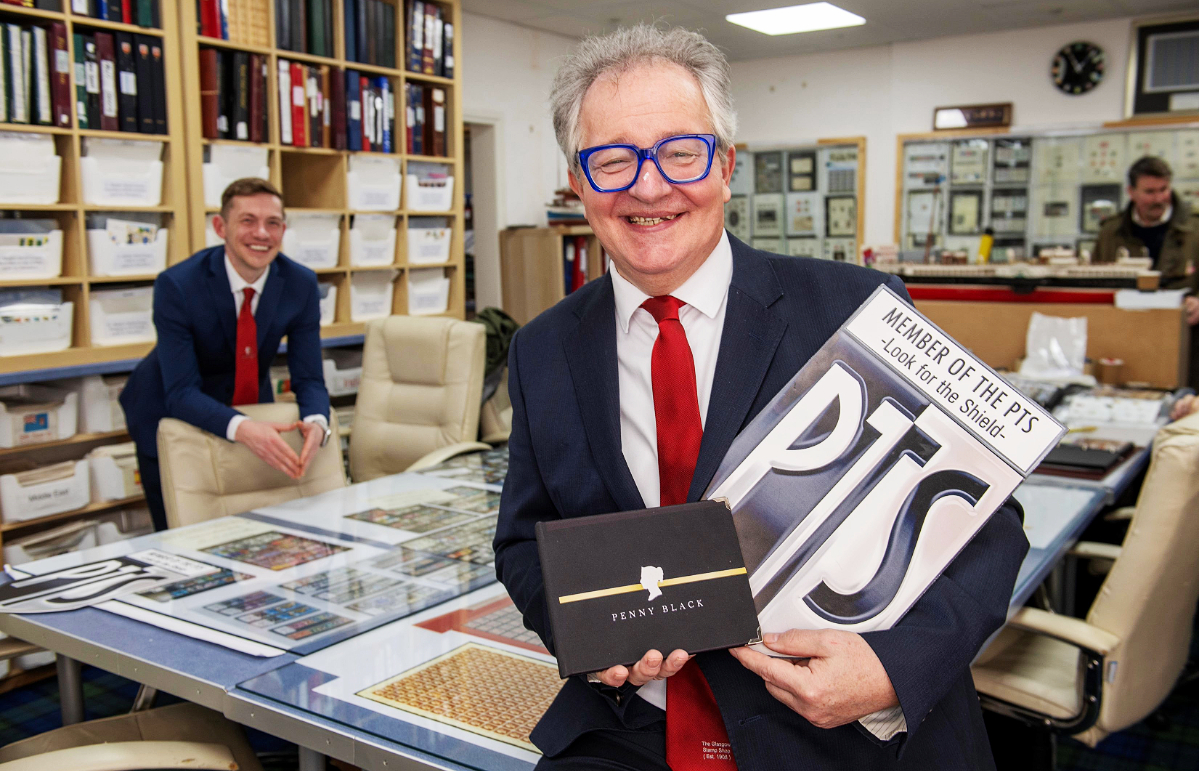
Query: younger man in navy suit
pixel 220 315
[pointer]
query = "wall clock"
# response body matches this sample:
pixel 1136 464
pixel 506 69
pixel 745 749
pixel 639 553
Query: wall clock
pixel 1077 67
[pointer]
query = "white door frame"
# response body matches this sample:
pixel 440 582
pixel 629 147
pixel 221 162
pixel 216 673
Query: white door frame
pixel 487 174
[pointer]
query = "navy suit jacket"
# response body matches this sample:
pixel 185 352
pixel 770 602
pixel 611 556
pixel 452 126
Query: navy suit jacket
pixel 190 372
pixel 566 461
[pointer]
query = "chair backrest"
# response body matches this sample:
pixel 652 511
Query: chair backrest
pixel 1148 598
pixel 422 379
pixel 205 476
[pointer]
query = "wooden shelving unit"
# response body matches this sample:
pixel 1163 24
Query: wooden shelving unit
pixel 531 267
pixel 313 179
pixel 70 212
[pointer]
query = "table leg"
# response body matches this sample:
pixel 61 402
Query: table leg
pixel 70 690
pixel 311 760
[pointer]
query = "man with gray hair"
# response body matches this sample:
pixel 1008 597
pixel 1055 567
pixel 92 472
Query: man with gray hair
pixel 628 394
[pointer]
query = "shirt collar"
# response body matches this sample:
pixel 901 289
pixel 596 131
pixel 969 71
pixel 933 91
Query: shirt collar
pixel 1165 217
pixel 705 290
pixel 237 283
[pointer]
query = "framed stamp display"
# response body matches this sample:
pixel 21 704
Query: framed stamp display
pixel 768 172
pixel 736 217
pixel 841 216
pixel 968 162
pixel 801 171
pixel 965 212
pixel 768 215
pixel 1103 158
pixel 805 214
pixel 803 247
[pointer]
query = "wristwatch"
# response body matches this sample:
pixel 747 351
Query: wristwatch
pixel 325 438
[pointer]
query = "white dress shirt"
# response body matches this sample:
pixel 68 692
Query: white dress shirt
pixel 239 286
pixel 706 296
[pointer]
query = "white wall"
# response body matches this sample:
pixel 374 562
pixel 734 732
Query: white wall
pixel 887 90
pixel 506 75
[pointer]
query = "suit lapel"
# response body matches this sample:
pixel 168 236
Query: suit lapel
pixel 590 350
pixel 222 296
pixel 272 293
pixel 752 330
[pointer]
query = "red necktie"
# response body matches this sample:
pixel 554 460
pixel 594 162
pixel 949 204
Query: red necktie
pixel 696 739
pixel 245 378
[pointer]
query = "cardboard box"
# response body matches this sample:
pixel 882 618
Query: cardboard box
pixel 32 414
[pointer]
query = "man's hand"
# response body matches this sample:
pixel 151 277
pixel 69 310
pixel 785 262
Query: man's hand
pixel 313 433
pixel 1184 406
pixel 838 681
pixel 651 667
pixel 1190 306
pixel 264 441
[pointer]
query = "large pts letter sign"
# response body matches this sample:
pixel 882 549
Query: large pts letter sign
pixel 862 480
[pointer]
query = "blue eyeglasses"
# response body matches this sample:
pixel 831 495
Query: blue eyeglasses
pixel 681 159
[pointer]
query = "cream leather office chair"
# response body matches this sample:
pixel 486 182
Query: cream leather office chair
pixel 495 418
pixel 205 476
pixel 418 401
pixel 178 736
pixel 1089 678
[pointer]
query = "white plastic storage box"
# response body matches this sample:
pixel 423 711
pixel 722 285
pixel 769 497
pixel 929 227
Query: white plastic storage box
pixel 428 241
pixel 313 240
pixel 27 328
pixel 343 370
pixel 373 182
pixel 122 316
pixel 32 414
pixel 428 187
pixel 99 410
pixel 121 172
pixel 227 163
pixel 108 258
pixel 370 294
pixel 373 240
pixel 44 491
pixel 30 255
pixel 114 472
pixel 328 303
pixel 71 537
pixel 428 291
pixel 30 168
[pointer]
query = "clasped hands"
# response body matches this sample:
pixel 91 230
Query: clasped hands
pixel 835 679
pixel 264 440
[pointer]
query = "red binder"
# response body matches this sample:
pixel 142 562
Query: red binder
pixel 255 98
pixel 580 264
pixel 210 95
pixel 60 82
pixel 299 105
pixel 106 55
pixel 337 88
pixel 365 84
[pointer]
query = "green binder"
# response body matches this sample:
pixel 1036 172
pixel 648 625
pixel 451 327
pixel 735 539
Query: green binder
pixel 80 82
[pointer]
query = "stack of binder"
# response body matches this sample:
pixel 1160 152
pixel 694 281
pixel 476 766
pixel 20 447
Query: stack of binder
pixel 370 27
pixel 305 26
pixel 426 119
pixel 430 36
pixel 233 94
pixel 119 82
pixel 143 13
pixel 34 84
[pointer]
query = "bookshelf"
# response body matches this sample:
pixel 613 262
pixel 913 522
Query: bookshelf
pixel 313 180
pixel 70 212
pixel 532 269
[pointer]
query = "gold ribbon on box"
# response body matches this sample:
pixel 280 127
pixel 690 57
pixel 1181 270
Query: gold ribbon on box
pixel 629 588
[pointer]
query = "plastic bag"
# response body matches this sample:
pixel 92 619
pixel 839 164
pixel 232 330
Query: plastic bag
pixel 1055 347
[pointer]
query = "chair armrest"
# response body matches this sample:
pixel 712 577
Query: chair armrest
pixel 443 454
pixel 1091 550
pixel 129 756
pixel 1068 629
pixel 1122 514
pixel 11 647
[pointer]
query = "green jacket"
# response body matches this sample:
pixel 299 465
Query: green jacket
pixel 1179 260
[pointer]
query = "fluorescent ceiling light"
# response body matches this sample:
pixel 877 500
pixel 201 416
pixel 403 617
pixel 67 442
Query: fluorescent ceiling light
pixel 796 18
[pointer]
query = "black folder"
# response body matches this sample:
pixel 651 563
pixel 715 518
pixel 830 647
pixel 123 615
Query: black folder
pixel 618 585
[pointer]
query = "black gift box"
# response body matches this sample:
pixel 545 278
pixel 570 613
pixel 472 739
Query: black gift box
pixel 618 585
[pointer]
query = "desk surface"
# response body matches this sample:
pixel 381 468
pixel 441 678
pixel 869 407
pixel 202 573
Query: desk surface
pixel 359 695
